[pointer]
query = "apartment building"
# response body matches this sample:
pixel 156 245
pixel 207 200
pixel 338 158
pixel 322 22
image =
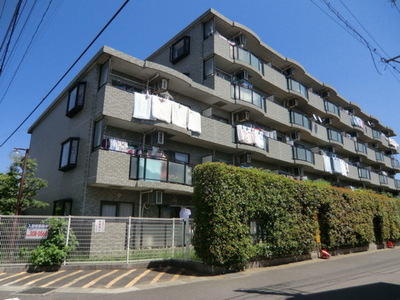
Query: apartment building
pixel 123 137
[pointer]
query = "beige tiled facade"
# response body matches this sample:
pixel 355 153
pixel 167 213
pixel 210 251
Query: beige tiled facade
pixel 232 79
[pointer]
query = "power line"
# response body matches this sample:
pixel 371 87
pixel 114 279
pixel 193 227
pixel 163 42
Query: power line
pixel 363 27
pixel 350 29
pixel 26 51
pixel 65 74
pixel 10 31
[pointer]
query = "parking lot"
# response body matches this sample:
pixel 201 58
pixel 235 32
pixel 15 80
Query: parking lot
pixel 106 279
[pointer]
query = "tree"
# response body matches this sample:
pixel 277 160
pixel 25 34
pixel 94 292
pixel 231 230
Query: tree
pixel 9 185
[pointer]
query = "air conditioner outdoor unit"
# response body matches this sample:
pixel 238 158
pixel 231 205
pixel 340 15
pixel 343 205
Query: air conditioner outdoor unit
pixel 155 197
pixel 325 94
pixel 244 158
pixel 357 159
pixel 292 103
pixel 156 138
pixel 242 75
pixel 242 116
pixel 295 136
pixel 328 121
pixel 331 149
pixel 289 72
pixel 162 85
pixel 240 39
pixel 374 145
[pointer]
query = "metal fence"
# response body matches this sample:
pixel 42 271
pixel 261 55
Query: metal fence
pixel 100 239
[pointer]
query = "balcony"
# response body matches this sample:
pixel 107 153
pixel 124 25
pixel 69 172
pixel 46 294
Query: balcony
pixel 246 56
pixel 364 173
pixel 159 170
pixel 245 92
pixel 303 154
pixel 397 183
pixel 331 108
pixel 296 86
pixel 334 135
pixel 300 119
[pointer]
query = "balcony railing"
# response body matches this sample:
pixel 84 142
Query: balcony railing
pixel 395 163
pixel 383 179
pixel 376 134
pixel 297 87
pixel 360 147
pixel 248 57
pixel 300 119
pixel 335 135
pixel 332 108
pixel 159 170
pixel 245 92
pixel 364 173
pixel 397 183
pixel 379 156
pixel 300 153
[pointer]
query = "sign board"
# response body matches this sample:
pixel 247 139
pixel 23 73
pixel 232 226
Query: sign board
pixel 100 225
pixel 36 231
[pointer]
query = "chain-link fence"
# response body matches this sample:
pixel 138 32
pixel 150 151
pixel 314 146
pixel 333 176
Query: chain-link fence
pixel 99 239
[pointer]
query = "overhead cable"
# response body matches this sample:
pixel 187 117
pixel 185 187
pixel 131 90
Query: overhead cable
pixel 65 74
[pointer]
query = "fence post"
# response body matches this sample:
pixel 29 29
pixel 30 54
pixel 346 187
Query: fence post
pixel 128 246
pixel 67 239
pixel 173 238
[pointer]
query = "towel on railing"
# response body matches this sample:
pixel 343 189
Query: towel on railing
pixel 161 108
pixel 142 106
pixel 179 114
pixel 194 121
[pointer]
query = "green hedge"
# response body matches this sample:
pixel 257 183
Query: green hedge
pixel 285 216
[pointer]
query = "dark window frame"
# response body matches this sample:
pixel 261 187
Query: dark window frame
pixel 71 161
pixel 117 206
pixel 178 52
pixel 76 99
pixel 63 203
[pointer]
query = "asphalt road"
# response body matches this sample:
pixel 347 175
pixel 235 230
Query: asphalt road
pixel 368 275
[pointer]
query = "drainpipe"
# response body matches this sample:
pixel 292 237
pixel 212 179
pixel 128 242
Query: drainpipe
pixel 140 200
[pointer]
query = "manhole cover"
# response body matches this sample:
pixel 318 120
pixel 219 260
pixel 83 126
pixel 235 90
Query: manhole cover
pixel 36 291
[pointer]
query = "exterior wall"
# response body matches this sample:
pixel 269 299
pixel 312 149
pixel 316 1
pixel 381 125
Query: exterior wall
pixel 102 175
pixel 46 148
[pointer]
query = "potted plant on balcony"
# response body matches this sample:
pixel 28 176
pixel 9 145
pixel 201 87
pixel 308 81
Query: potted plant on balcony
pixel 52 251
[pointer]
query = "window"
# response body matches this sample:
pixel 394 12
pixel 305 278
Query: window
pixel 181 157
pixel 299 119
pixel 376 134
pixel 300 153
pixel 104 73
pixel 330 107
pixel 335 135
pixel 209 28
pixel 208 67
pixel 364 173
pixel 76 99
pixel 297 87
pixel 62 207
pixel 180 49
pixel 116 209
pixel 98 133
pixel 379 156
pixel 69 154
pixel 360 147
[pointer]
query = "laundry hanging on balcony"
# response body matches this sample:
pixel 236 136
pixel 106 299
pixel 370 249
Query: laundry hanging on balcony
pixel 179 114
pixel 161 108
pixel 142 106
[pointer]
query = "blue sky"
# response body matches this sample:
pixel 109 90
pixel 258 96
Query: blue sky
pixel 303 30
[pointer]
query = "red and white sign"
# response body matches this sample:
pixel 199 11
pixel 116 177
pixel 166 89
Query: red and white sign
pixel 100 225
pixel 36 231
